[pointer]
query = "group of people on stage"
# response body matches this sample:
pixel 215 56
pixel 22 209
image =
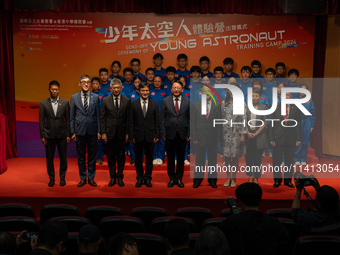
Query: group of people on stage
pixel 149 115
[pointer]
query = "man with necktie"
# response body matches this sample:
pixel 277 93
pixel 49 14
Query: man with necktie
pixel 85 129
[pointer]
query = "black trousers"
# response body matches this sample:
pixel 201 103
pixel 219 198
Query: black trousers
pixel 116 154
pixel 89 142
pixel 201 150
pixel 288 152
pixel 61 145
pixel 174 146
pixel 148 151
pixel 253 159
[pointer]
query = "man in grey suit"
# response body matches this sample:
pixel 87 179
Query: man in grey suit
pixel 114 118
pixel 175 131
pixel 54 124
pixel 284 139
pixel 85 128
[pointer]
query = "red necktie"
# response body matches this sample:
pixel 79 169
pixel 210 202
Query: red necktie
pixel 176 106
pixel 286 116
pixel 207 115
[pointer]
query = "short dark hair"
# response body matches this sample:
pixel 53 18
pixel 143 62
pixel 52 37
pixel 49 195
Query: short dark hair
pixel 149 69
pixel 103 69
pixel 257 82
pixel 55 83
pixel 170 69
pixel 84 76
pixel 328 199
pixel 177 232
pixel 280 64
pixel 218 69
pixel 249 193
pixel 137 78
pixel 255 63
pixel 246 68
pixel 51 234
pixel 7 243
pixel 116 62
pixel 182 56
pixel 195 69
pixel 270 70
pixel 304 85
pixel 157 75
pixel 258 91
pixel 95 79
pixel 179 82
pixel 227 61
pixel 211 241
pixel 282 82
pixel 127 69
pixel 117 242
pixel 293 71
pixel 204 58
pixel 135 60
pixel 144 85
pixel 158 55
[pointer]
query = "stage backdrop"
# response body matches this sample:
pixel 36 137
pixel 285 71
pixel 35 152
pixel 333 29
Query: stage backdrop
pixel 63 46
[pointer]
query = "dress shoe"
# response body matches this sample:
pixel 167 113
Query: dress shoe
pixel 213 185
pixel 112 182
pixel 92 183
pixel 233 183
pixel 289 184
pixel 180 184
pixel 51 183
pixel 82 183
pixel 171 183
pixel 132 162
pixel 120 183
pixel 138 184
pixel 62 182
pixel 196 185
pixel 99 161
pixel 227 183
pixel 276 184
pixel 148 183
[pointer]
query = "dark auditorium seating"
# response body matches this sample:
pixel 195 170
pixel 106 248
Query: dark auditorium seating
pixel 96 213
pixel 225 213
pixel 197 214
pixel 293 230
pixel 56 210
pixel 316 245
pixel 18 224
pixel 148 214
pixel 193 237
pixel 213 222
pixel 73 223
pixel 280 213
pixel 113 224
pixel 150 244
pixel 157 226
pixel 72 245
pixel 16 210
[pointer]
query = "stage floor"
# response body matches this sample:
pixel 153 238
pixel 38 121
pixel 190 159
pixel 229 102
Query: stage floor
pixel 27 177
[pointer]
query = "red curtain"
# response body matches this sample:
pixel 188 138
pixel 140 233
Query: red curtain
pixel 257 7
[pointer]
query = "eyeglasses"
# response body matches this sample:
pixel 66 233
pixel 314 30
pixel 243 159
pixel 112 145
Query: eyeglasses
pixel 85 82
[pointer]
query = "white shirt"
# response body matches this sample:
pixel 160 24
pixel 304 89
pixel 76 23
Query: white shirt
pixel 179 101
pixel 114 100
pixel 146 103
pixel 88 98
pixel 55 105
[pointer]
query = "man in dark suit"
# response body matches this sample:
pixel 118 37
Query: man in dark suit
pixel 284 138
pixel 205 138
pixel 54 124
pixel 85 129
pixel 144 133
pixel 175 131
pixel 114 127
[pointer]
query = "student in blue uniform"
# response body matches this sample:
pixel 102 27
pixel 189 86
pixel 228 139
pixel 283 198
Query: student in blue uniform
pixel 205 64
pixel 127 84
pixel 269 84
pixel 95 83
pixel 182 62
pixel 293 76
pixel 307 126
pixel 229 66
pixel 135 66
pixel 256 70
pixel 195 81
pixel 245 81
pixel 257 84
pixel 133 95
pixel 150 75
pixel 218 79
pixel 115 68
pixel 205 80
pixel 158 62
pixel 281 73
pixel 104 84
pixel 279 87
pixel 170 74
pixel 157 94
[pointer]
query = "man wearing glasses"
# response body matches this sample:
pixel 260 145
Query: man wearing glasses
pixel 85 129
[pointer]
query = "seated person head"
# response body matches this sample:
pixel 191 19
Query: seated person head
pixel 249 196
pixel 121 244
pixel 212 241
pixel 53 237
pixel 88 239
pixel 177 234
pixel 7 243
pixel 328 200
